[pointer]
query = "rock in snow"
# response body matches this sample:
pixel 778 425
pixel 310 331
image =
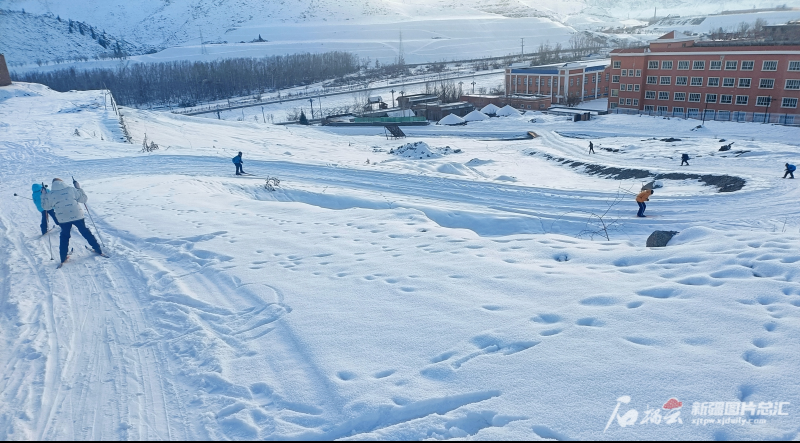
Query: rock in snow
pixel 490 109
pixel 659 239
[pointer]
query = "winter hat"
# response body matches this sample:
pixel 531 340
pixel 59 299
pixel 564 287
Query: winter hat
pixel 57 179
pixel 240 152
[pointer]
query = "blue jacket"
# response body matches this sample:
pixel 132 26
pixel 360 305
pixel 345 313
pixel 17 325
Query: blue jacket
pixel 36 194
pixel 791 167
pixel 237 159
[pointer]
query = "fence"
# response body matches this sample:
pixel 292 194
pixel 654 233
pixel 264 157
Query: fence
pixel 388 119
pixel 720 116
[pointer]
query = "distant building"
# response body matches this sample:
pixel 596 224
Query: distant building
pixel 438 111
pixel 5 78
pixel 716 80
pixel 519 101
pixel 585 80
pixel 409 101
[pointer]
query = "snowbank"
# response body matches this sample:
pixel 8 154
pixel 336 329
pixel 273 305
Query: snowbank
pixel 452 119
pixel 507 111
pixel 490 109
pixel 475 116
pixel 421 150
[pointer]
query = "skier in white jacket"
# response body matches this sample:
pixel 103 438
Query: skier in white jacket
pixel 66 200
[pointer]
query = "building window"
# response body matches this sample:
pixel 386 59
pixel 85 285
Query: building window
pixel 728 82
pixel 769 65
pixel 747 66
pixel 648 108
pixel 694 97
pixel 663 109
pixel 741 99
pixel 763 100
pixel 615 92
pixel 677 110
pixel 627 101
pixel 652 64
pixel 731 65
pixel 650 95
pixel 624 73
pixel 680 96
pixel 693 112
pixel 636 88
pixel 605 89
pixel 683 64
pixel 586 80
pixel 711 98
pixel 794 66
pixel 623 87
pixel 638 72
pixel 744 82
pixel 715 65
pixel 725 99
pixel 630 72
pixel 607 77
pixel 789 102
pixel 636 102
pixel 766 83
pixel 617 64
pixel 697 81
pixel 652 80
pixel 663 95
pixel 699 65
pixel 792 84
pixel 665 80
pixel 666 64
pixel 713 81
pixel 571 81
pixel 681 81
pixel 622 101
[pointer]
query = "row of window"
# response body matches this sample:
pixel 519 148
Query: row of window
pixel 727 82
pixel 535 81
pixel 713 65
pixel 725 99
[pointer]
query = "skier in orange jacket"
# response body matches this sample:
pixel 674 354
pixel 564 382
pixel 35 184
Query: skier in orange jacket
pixel 640 199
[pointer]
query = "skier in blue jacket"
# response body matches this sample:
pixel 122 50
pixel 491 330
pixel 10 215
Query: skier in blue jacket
pixel 789 170
pixel 36 196
pixel 238 162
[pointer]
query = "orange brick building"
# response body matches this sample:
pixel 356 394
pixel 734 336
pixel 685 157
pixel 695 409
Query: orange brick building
pixel 715 80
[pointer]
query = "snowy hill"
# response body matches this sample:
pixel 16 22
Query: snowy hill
pixel 173 23
pixel 467 295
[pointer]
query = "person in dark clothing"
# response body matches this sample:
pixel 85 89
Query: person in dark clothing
pixel 685 159
pixel 66 201
pixel 238 162
pixel 591 148
pixel 36 196
pixel 789 170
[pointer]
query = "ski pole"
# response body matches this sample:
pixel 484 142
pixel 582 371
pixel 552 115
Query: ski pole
pixel 47 225
pixel 92 219
pixel 15 195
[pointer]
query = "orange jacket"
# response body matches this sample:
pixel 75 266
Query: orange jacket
pixel 644 195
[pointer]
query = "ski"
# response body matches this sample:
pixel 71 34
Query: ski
pixel 65 260
pixel 101 254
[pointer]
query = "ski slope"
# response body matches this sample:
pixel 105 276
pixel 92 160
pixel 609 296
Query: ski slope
pixel 454 297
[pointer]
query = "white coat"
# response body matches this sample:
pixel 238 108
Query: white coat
pixel 65 200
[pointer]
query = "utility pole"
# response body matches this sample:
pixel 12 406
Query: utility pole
pixel 392 97
pixel 311 100
pixel 766 115
pixel 473 84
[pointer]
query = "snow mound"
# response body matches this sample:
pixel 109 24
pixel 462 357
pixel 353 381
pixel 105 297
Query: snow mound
pixel 452 119
pixel 451 168
pixel 506 178
pixel 421 150
pixel 507 111
pixel 475 116
pixel 478 162
pixel 490 109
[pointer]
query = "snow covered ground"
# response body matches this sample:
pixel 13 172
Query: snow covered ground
pixel 462 296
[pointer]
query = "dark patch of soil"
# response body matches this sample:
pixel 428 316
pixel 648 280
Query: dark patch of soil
pixel 725 183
